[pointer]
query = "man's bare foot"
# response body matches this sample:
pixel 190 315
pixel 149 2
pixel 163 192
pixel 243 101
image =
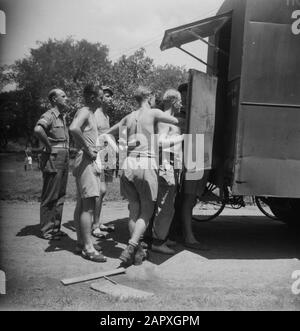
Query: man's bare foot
pixel 93 256
pixel 171 243
pixel 99 234
pixel 195 245
pixel 163 249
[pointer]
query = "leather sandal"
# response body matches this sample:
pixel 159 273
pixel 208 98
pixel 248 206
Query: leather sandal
pixel 97 233
pixel 107 228
pixel 93 256
pixel 79 248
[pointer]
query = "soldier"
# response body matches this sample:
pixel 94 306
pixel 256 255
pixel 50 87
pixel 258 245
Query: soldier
pixel 52 131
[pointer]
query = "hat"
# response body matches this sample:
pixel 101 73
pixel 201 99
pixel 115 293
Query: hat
pixel 107 89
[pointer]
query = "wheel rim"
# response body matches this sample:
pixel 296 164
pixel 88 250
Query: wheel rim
pixel 264 208
pixel 210 205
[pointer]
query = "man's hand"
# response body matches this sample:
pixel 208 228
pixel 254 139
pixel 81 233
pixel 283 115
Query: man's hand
pixel 48 149
pixel 92 153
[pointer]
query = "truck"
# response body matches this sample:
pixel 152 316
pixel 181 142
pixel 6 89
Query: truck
pixel 247 103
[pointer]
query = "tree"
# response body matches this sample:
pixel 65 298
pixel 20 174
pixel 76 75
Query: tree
pixel 70 64
pixel 66 64
pixel 127 74
pixel 166 77
pixel 139 69
pixel 7 76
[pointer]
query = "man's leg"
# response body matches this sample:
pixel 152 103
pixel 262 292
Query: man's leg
pixel 98 207
pixel 77 213
pixel 134 213
pixel 164 210
pixel 48 205
pixel 141 196
pixel 188 204
pixel 146 211
pixel 85 223
pixel 62 187
pixel 134 253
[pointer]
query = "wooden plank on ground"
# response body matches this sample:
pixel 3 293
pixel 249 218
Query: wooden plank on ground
pixel 80 279
pixel 2 283
pixel 120 292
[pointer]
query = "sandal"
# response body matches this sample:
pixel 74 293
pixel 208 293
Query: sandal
pixel 79 248
pixel 107 228
pixel 93 256
pixel 97 233
pixel 60 234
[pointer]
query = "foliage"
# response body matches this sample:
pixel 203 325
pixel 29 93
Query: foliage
pixel 69 64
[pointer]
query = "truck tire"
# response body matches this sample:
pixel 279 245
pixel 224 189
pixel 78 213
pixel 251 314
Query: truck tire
pixel 286 210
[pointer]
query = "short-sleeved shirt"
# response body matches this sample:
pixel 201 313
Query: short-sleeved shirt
pixel 54 124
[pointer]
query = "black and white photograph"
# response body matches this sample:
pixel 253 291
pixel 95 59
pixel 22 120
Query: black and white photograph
pixel 149 158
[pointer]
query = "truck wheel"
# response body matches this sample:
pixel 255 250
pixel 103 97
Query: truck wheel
pixel 286 210
pixel 263 205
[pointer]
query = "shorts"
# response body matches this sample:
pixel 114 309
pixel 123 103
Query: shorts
pixel 196 187
pixel 87 176
pixel 139 184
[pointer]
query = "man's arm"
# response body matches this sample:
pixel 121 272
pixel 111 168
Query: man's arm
pixel 167 141
pixel 78 122
pixel 39 131
pixel 162 117
pixel 114 130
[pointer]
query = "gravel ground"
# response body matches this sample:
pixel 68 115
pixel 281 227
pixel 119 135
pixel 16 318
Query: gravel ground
pixel 249 266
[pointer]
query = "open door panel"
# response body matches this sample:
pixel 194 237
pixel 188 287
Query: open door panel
pixel 201 119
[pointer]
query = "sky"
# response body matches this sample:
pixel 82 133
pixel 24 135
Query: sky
pixel 123 25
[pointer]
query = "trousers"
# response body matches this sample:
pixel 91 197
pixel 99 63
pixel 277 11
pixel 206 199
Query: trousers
pixel 165 209
pixel 55 168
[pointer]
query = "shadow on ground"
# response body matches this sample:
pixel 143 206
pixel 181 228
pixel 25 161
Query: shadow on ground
pixel 232 237
pixel 30 230
pixel 228 237
pixel 65 244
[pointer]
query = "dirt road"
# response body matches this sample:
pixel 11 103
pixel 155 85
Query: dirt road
pixel 249 266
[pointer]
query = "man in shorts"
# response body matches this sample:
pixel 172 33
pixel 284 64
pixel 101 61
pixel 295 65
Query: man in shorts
pixel 87 174
pixel 190 190
pixel 139 182
pixel 102 119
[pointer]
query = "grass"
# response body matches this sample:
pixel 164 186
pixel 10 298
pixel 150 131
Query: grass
pixel 18 185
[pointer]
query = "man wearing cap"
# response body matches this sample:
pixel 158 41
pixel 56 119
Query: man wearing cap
pixel 102 119
pixel 52 131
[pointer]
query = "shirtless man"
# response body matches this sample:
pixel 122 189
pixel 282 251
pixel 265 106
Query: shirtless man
pixel 139 181
pixel 87 174
pixel 102 120
pixel 182 224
